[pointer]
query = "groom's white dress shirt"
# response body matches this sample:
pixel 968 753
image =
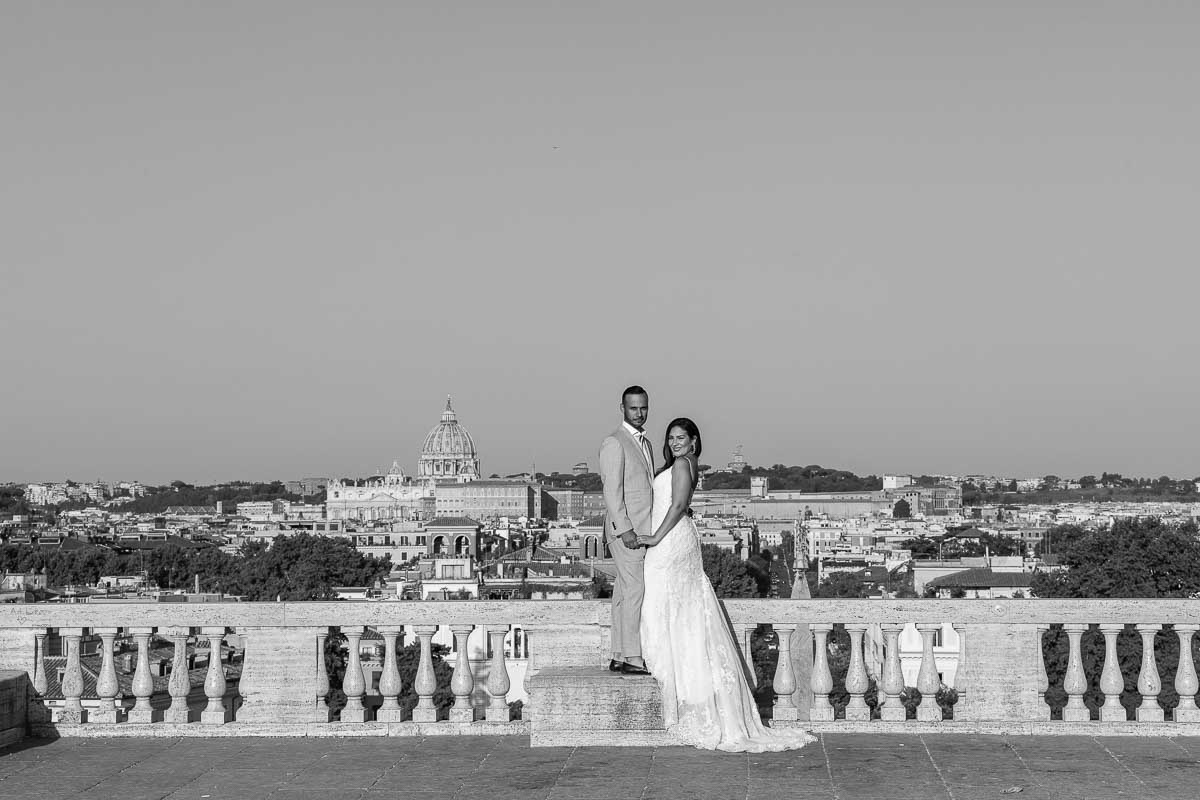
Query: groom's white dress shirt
pixel 640 438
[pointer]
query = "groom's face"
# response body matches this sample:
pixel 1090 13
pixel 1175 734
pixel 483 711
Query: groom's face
pixel 636 409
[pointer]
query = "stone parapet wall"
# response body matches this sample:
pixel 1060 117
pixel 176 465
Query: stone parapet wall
pixel 1000 681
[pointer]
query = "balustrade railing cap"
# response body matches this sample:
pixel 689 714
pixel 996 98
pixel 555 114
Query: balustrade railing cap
pixel 532 613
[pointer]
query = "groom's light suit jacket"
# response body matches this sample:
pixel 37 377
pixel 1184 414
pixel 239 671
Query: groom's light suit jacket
pixel 628 501
pixel 628 484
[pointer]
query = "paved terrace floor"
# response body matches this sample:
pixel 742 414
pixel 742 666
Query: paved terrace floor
pixel 843 766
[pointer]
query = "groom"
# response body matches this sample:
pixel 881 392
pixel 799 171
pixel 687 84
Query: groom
pixel 627 470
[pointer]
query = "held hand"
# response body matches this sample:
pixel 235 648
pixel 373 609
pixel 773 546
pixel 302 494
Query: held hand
pixel 647 540
pixel 629 539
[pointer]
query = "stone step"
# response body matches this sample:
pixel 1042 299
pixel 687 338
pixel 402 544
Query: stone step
pixel 591 706
pixel 14 706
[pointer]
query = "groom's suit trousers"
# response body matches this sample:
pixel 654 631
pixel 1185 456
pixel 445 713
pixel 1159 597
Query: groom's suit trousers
pixel 628 591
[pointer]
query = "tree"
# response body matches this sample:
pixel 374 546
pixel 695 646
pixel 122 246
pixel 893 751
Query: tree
pixel 1057 539
pixel 996 544
pixel 307 567
pixel 1141 557
pixel 727 573
pixel 1012 485
pixel 813 478
pixel 921 547
pixel 844 584
pixel 12 500
pixel 1133 558
pixel 902 510
pixel 1111 479
pixel 759 568
pixel 787 545
pixel 1087 482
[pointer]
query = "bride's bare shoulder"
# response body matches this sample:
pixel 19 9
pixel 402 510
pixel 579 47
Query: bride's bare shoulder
pixel 686 464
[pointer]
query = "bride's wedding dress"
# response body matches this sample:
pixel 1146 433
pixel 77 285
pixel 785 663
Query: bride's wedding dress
pixel 690 650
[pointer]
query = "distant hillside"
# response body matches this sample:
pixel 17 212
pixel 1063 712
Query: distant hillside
pixel 588 482
pixel 181 494
pixel 813 478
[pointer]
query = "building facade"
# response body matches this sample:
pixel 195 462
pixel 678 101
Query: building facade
pixel 393 496
pixel 569 503
pixel 489 499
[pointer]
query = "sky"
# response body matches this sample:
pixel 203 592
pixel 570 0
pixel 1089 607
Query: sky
pixel 251 241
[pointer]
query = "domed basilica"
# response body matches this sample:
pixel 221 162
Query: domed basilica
pixel 449 452
pixel 448 456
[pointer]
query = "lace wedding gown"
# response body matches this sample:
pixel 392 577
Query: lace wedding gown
pixel 690 650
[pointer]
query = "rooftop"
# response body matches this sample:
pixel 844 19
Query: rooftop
pixel 452 522
pixel 843 766
pixel 982 577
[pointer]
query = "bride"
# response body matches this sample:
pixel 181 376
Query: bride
pixel 686 642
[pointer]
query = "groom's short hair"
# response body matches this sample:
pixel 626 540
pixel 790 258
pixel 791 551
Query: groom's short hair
pixel 635 389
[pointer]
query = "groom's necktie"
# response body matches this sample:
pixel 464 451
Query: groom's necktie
pixel 645 443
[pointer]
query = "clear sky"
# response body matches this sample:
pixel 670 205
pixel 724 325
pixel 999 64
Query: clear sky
pixel 252 240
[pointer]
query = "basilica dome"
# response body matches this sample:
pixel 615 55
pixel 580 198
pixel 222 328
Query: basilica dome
pixel 448 452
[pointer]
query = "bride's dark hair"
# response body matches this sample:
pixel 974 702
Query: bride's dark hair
pixel 690 429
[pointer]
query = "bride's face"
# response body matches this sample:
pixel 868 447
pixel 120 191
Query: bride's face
pixel 680 443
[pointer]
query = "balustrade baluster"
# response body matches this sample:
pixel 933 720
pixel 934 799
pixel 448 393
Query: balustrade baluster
pixel 37 709
pixel 1186 683
pixel 426 682
pixel 1039 668
pixel 822 679
pixel 892 680
pixel 180 684
pixel 72 681
pixel 1075 681
pixel 39 662
pixel 857 681
pixel 1149 683
pixel 463 682
pixel 497 682
pixel 1111 681
pixel 389 679
pixel 748 646
pixel 784 682
pixel 527 706
pixel 322 711
pixel 961 669
pixel 215 685
pixel 142 712
pixel 106 681
pixel 928 681
pixel 354 683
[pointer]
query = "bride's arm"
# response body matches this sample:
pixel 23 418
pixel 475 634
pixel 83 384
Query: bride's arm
pixel 681 497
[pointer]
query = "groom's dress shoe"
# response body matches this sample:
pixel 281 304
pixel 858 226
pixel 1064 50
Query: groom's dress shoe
pixel 615 666
pixel 633 669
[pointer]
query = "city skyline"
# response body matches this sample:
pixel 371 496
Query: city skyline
pixel 267 243
pixel 408 464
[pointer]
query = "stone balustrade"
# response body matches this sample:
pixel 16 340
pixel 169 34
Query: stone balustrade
pixel 1001 681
